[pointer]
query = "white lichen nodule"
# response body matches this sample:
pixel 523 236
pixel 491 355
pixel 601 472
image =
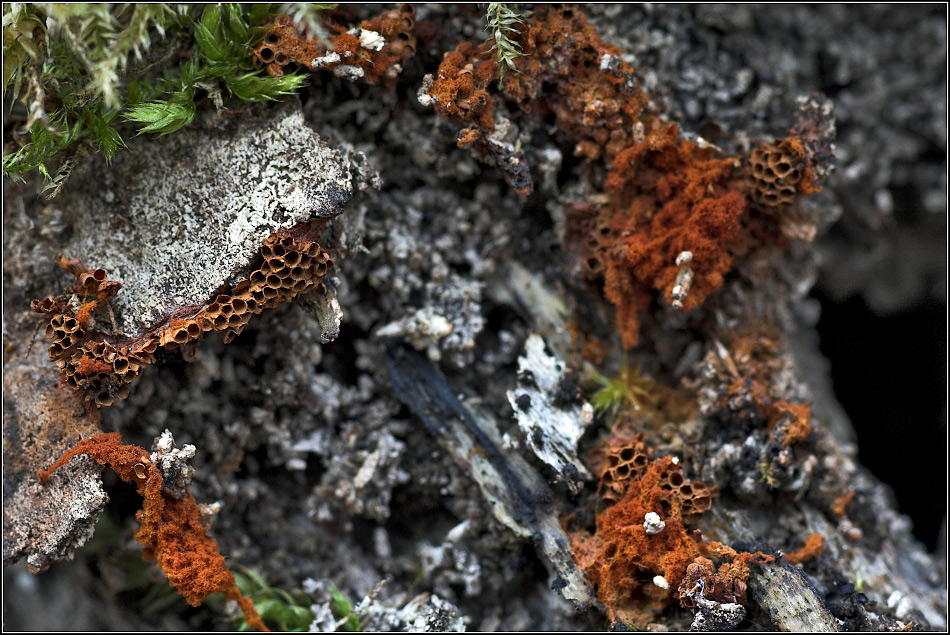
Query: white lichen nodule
pixel 652 523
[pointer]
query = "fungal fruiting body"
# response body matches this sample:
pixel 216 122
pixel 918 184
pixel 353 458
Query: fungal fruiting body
pixel 102 365
pixel 170 528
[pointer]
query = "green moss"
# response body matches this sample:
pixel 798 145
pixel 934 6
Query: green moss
pixel 79 70
pixel 290 611
pixel 279 609
pixel 503 21
pixel 343 608
pixel 629 391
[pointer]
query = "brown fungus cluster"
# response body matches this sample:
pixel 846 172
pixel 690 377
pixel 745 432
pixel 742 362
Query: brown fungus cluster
pixel 674 214
pixel 625 461
pixel 98 367
pixel 171 528
pixel 376 48
pixel 642 556
pixel 103 364
pixel 566 69
pixel 779 173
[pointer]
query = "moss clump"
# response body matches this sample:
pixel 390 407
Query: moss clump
pixel 77 71
pixel 629 391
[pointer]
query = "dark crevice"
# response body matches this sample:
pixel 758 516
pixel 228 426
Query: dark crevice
pixel 890 375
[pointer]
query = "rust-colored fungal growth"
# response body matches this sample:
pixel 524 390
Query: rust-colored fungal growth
pixel 88 361
pixel 725 584
pixel 171 530
pixel 460 90
pixel 671 218
pixel 622 559
pixel 625 461
pixel 789 422
pixel 840 505
pixel 675 216
pixel 565 69
pixel 625 553
pixel 376 48
pixel 641 555
pixel 812 548
pixel 103 364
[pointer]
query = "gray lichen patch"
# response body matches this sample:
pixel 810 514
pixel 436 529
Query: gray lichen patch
pixel 551 430
pixel 44 522
pixel 177 217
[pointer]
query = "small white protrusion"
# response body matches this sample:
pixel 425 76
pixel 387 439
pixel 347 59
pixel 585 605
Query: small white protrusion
pixel 371 40
pixel 893 599
pixel 652 523
pixel 661 582
pixel 348 71
pixel 684 279
pixel 330 58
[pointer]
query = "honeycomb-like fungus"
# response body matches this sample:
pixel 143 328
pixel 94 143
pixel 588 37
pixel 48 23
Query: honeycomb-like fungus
pixel 566 69
pixel 376 48
pixel 170 529
pixel 102 365
pixel 674 216
pixel 641 555
pixel 780 171
pixel 623 556
pixel 623 462
pixel 812 548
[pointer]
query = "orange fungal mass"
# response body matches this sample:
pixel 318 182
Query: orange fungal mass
pixel 170 529
pixel 376 48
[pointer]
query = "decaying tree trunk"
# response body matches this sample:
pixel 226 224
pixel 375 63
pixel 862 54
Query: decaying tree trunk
pixel 422 431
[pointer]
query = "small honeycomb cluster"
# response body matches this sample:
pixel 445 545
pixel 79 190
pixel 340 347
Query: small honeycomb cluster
pixel 629 550
pixel 103 366
pixel 639 563
pixel 565 69
pixel 97 367
pixel 626 462
pixel 779 172
pixel 291 267
pixel 374 49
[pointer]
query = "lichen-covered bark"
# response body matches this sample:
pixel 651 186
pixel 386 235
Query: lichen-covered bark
pixel 330 471
pixel 177 220
pixel 179 216
pixel 40 419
